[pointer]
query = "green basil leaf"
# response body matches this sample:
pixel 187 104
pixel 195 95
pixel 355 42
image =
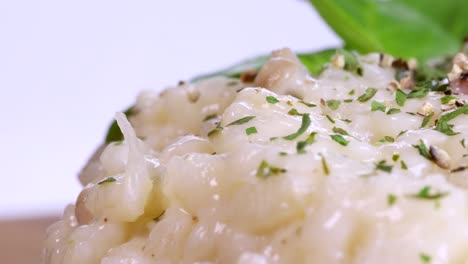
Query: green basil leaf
pixel 406 28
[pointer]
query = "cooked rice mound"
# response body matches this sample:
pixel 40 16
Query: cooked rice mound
pixel 285 169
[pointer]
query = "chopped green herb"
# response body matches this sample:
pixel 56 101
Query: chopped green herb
pixel 403 165
pixel 216 130
pixel 351 62
pixel 294 111
pixel 427 119
pixel 393 111
pixel 107 180
pixel 346 120
pixel 444 127
pixel 411 113
pixel 418 92
pixel 209 117
pixel 289 103
pixel 265 170
pixel 333 104
pixel 282 153
pixel 352 92
pixel 348 100
pixel 383 166
pixel 302 144
pixel 462 142
pixel 425 193
pixel 395 157
pixel 446 99
pixel 307 104
pixel 241 121
pixel 330 119
pixel 368 94
pixel 340 131
pixel 387 139
pixel 251 130
pixel 271 99
pixel 400 97
pixel 377 106
pixel 425 258
pixel 304 125
pixel 402 133
pixel 423 150
pixel 325 168
pixel 341 140
pixel 157 218
pixel 391 199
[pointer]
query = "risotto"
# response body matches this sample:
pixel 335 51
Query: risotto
pixel 357 165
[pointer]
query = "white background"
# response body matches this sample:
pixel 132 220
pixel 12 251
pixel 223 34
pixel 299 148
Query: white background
pixel 67 66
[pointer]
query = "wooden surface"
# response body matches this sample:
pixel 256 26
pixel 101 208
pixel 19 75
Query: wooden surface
pixel 21 240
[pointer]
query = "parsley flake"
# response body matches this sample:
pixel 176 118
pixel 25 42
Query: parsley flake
pixel 339 139
pixel 325 168
pixel 294 111
pixel 427 119
pixel 271 99
pixel 446 99
pixel 391 199
pixel 401 133
pixel 241 121
pixel 330 119
pixel 107 180
pixel 403 165
pixel 251 130
pixel 368 94
pixel 425 258
pixel 307 104
pixel 216 130
pixel 387 139
pixel 444 127
pixel 423 150
pixel 302 144
pixel 340 131
pixel 400 97
pixel 395 157
pixel 304 125
pixel 383 166
pixel 351 62
pixel 426 194
pixel 418 92
pixel 377 106
pixel 393 111
pixel 333 104
pixel 265 170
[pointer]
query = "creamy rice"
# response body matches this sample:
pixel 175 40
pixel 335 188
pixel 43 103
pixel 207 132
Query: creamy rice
pixel 356 186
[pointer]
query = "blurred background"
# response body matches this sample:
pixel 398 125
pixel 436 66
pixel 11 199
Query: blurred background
pixel 67 66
